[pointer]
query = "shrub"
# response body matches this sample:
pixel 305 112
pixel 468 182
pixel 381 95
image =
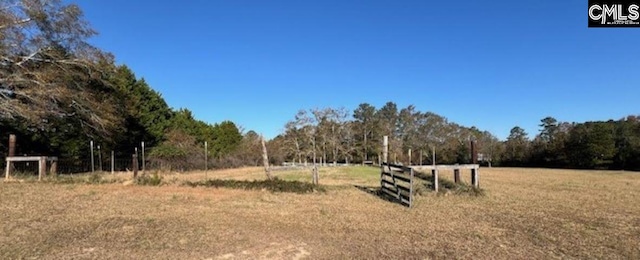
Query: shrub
pixel 149 180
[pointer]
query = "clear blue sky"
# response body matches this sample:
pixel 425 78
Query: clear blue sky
pixel 489 64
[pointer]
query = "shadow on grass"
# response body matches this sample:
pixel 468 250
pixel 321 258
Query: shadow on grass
pixel 375 191
pixel 275 185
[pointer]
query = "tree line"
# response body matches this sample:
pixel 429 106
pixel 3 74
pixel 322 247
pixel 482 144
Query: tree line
pixel 334 135
pixel 612 144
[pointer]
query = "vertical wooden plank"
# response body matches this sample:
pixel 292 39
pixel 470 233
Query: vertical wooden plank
pixel 381 176
pixel 135 165
pixel 434 172
pixel 411 189
pixel 420 160
pixel 456 175
pixel 409 157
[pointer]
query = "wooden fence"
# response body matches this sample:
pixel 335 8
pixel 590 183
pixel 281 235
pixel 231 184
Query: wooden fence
pixel 435 171
pixel 396 181
pixel 42 164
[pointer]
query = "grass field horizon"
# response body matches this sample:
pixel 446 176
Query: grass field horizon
pixel 524 213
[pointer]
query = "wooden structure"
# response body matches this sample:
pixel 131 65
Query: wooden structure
pixel 134 162
pixel 435 169
pixel 42 164
pixel 396 181
pixel 42 161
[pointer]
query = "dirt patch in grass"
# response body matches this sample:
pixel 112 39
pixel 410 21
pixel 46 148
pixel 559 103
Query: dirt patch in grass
pixel 525 214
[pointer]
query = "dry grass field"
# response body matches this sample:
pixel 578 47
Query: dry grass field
pixel 524 214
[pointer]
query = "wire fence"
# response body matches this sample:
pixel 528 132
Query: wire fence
pixel 117 165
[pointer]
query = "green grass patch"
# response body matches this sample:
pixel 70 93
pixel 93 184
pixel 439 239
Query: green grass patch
pixel 275 185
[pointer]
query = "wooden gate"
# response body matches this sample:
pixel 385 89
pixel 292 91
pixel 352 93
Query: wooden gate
pixel 396 181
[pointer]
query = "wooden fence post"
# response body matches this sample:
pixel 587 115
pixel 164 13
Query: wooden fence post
pixel 265 158
pixel 385 149
pixel 6 173
pixel 12 153
pixel 93 166
pixel 54 168
pixel 112 162
pixel 456 175
pixel 12 145
pixel 434 172
pixel 474 178
pixel 409 157
pixel 42 167
pixel 135 165
pixel 474 153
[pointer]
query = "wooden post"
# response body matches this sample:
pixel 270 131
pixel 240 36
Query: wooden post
pixel 100 158
pixel 42 167
pixel 315 175
pixel 434 172
pixel 314 171
pixel 420 160
pixel 113 163
pixel 143 163
pixel 12 145
pixel 6 173
pixel 135 165
pixel 385 149
pixel 474 153
pixel 409 157
pixel 54 168
pixel 474 178
pixel 93 168
pixel 456 175
pixel 12 153
pixel 206 159
pixel 265 158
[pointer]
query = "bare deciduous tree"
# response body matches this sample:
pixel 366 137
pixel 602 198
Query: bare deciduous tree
pixel 41 40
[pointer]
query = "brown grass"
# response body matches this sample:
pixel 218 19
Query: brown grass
pixel 526 213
